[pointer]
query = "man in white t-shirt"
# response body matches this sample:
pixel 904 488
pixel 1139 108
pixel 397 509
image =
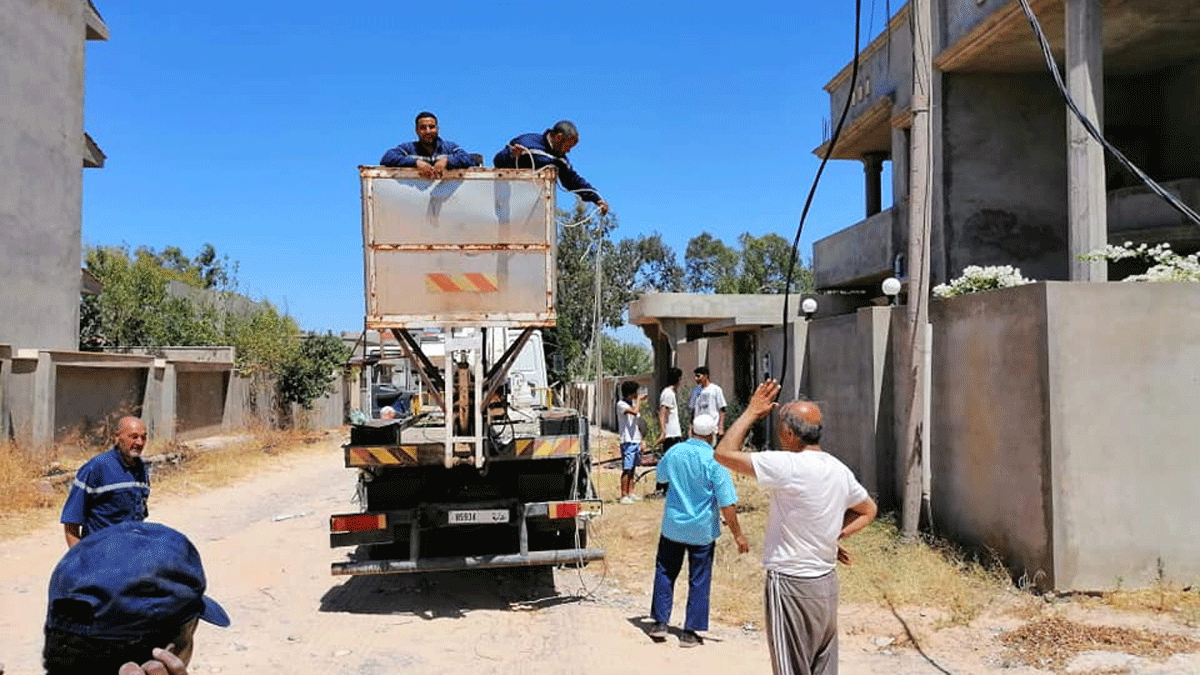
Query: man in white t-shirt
pixel 668 410
pixel 708 399
pixel 815 502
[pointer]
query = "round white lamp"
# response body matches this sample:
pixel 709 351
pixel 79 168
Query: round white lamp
pixel 891 288
pixel 809 307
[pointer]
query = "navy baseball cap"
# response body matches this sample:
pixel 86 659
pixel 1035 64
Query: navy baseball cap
pixel 129 580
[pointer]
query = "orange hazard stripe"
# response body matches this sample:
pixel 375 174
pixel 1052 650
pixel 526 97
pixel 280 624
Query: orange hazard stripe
pixel 472 282
pixel 547 447
pixel 381 456
pixel 483 282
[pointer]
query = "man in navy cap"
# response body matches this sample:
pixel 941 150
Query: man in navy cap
pixel 129 594
pixel 112 487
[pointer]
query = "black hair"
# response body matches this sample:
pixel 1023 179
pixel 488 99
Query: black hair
pixel 701 370
pixel 673 376
pixel 66 653
pixel 628 388
pixel 565 127
pixel 424 113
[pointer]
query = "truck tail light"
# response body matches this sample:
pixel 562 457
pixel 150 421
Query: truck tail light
pixel 360 522
pixel 564 509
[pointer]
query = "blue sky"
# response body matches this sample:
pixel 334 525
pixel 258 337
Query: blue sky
pixel 241 124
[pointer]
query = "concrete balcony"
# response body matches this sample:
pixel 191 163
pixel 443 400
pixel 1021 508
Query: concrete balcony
pixel 1136 214
pixel 862 253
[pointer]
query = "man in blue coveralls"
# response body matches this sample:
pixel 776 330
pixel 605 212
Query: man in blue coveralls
pixel 699 492
pixel 430 155
pixel 550 148
pixel 111 488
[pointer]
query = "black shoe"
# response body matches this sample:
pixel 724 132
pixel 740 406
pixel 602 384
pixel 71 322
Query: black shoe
pixel 658 630
pixel 690 639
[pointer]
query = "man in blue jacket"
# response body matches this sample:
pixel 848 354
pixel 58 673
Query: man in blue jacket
pixel 429 154
pixel 111 488
pixel 550 148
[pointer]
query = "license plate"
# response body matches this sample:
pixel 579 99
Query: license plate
pixel 479 517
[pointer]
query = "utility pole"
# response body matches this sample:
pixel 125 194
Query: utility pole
pixel 919 228
pixel 1087 214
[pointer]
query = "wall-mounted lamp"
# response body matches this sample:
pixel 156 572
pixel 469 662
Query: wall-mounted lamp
pixel 809 307
pixel 891 288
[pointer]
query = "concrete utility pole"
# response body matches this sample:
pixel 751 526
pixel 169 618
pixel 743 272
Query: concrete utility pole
pixel 1087 200
pixel 920 205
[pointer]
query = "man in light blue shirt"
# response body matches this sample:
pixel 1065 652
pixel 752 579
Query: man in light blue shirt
pixel 699 492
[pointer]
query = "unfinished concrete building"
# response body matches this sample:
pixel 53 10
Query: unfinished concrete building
pixel 43 149
pixel 1003 177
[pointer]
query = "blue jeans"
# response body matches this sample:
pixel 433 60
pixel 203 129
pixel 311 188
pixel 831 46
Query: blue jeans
pixel 667 564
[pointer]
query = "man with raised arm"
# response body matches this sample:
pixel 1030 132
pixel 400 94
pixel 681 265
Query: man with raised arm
pixel 815 502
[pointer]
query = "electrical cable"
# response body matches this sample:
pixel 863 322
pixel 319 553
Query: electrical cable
pixel 531 152
pixel 837 132
pixel 1157 189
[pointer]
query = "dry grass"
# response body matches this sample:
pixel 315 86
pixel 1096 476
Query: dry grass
pixel 1053 642
pixel 32 491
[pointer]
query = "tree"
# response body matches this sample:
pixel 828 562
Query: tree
pixel 134 307
pixel 311 375
pixel 760 266
pixel 622 359
pixel 139 307
pixel 629 267
pixel 711 265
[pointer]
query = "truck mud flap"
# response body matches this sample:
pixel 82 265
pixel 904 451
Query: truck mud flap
pixel 569 556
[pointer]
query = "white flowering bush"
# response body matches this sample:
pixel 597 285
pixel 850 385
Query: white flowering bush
pixel 975 279
pixel 1166 265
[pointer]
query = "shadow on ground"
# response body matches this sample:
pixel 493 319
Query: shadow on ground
pixel 434 595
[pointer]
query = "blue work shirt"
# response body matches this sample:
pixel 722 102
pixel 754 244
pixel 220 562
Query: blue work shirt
pixel 543 156
pixel 407 154
pixel 697 489
pixel 106 492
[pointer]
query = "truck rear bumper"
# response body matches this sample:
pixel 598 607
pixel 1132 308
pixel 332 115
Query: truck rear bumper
pixel 566 556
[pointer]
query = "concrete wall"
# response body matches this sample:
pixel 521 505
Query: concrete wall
pixel 858 254
pixel 67 397
pixel 990 426
pixel 87 400
pixel 885 69
pixel 200 402
pixel 41 150
pixel 847 371
pixel 960 17
pixel 1122 375
pixel 1063 430
pixel 1006 190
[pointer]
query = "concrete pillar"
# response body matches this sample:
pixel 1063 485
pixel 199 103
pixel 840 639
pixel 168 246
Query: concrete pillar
pixel 873 170
pixel 45 382
pixel 1086 196
pixel 159 407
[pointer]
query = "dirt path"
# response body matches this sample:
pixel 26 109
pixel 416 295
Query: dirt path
pixel 265 547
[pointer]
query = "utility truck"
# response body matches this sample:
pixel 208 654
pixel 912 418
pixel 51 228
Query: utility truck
pixel 483 470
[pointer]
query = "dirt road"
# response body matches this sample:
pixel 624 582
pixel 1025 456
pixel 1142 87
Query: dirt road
pixel 265 546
